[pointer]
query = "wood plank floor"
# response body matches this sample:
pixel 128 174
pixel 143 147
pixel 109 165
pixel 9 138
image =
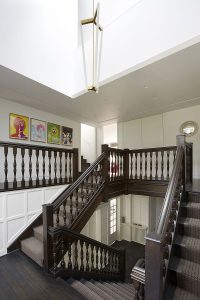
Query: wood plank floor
pixel 22 279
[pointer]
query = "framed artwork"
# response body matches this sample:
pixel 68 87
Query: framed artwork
pixel 38 130
pixel 53 133
pixel 66 136
pixel 19 127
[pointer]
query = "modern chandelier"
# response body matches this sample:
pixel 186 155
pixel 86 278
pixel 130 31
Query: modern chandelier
pixel 91 50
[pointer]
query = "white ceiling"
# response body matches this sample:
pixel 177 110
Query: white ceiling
pixel 168 84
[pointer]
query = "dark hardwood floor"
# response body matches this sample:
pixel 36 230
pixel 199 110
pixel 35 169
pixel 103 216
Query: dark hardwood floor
pixel 22 279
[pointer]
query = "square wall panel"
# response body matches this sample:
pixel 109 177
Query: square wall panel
pixel 15 204
pixel 1 236
pixel 13 228
pixel 1 207
pixel 34 199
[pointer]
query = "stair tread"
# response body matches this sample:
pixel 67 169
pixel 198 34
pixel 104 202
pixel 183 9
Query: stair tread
pixel 184 267
pixel 33 248
pixel 189 221
pixel 98 290
pixel 108 290
pixel 176 293
pixel 187 241
pixel 84 290
pixel 191 204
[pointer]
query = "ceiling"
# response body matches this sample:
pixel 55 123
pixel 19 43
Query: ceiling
pixel 169 84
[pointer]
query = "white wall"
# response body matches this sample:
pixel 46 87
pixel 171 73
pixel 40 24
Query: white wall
pixel 88 142
pixel 142 33
pixel 161 130
pixel 38 38
pixel 18 209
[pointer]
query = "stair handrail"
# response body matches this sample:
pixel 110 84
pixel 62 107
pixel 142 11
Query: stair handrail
pixel 158 244
pixel 107 263
pixel 66 193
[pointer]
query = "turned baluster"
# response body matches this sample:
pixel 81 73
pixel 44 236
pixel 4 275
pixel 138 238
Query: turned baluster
pixel 70 167
pixel 131 172
pixel 97 258
pixel 92 182
pixel 54 255
pixel 82 257
pixel 87 189
pixel 162 164
pixel 174 155
pixel 111 166
pixel 156 175
pixel 37 166
pixel 105 260
pixel 168 153
pixel 151 165
pixel 69 254
pixel 71 208
pixel 141 165
pixel 76 197
pixel 121 164
pixel 66 165
pixel 136 165
pixel 87 268
pixel 82 195
pixel 43 167
pixel 101 259
pixel 22 167
pixel 75 255
pixel 55 167
pixel 6 167
pixel 15 167
pixel 60 156
pixel 57 216
pixel 30 152
pixel 115 168
pixel 62 253
pixel 145 166
pixel 49 155
pixel 92 258
pixel 64 212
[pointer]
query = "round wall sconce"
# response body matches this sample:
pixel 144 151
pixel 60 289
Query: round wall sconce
pixel 189 128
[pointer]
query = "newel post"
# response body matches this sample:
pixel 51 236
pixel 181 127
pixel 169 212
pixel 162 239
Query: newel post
pixel 75 163
pixel 180 141
pixel 47 242
pixel 153 267
pixel 126 169
pixel 106 163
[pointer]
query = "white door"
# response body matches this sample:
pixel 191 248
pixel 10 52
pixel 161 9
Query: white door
pixel 112 220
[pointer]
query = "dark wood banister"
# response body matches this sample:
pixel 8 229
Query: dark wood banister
pixel 153 276
pixel 74 185
pixel 171 190
pixel 153 149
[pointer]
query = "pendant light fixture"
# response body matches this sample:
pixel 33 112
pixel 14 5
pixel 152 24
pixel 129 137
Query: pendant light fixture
pixel 91 49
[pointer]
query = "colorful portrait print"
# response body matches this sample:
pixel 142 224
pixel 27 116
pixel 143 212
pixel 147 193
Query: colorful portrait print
pixel 38 130
pixel 53 133
pixel 66 136
pixel 19 127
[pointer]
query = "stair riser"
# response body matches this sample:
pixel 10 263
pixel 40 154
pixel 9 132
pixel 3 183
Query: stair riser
pixel 190 212
pixel 187 253
pixel 191 285
pixel 38 235
pixel 192 231
pixel 194 198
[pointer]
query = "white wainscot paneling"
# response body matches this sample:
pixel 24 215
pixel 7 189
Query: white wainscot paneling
pixel 1 207
pixel 19 209
pixel 2 237
pixel 15 204
pixel 34 201
pixel 13 227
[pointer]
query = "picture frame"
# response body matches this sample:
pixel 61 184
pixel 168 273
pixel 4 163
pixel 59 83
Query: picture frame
pixel 53 133
pixel 38 131
pixel 18 127
pixel 66 136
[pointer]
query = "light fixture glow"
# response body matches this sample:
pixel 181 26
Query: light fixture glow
pixel 91 64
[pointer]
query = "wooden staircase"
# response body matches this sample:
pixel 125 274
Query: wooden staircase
pixel 184 268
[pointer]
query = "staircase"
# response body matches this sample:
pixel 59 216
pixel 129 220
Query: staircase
pixel 99 290
pixel 84 164
pixel 184 268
